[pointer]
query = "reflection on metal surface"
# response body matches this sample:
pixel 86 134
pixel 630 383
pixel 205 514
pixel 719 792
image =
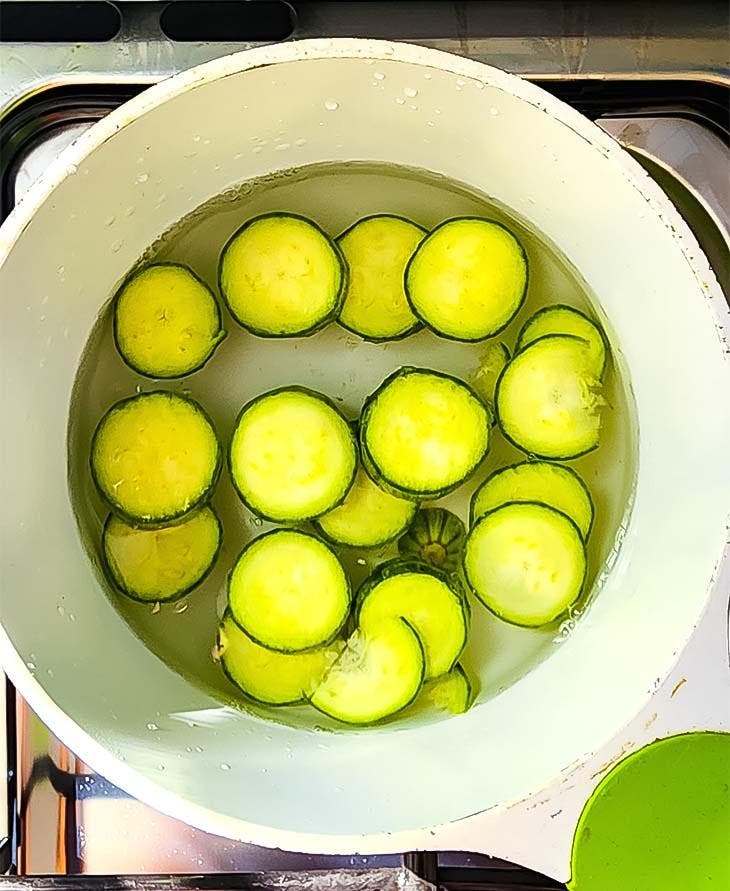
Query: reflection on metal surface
pixel 560 38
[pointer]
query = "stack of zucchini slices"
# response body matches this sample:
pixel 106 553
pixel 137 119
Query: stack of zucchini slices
pixel 293 630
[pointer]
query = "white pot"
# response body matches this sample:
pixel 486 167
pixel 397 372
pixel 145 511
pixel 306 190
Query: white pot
pixel 381 789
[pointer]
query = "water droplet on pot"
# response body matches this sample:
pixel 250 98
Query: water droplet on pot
pixel 378 75
pixel 494 111
pixel 116 246
pixel 256 149
pixel 109 221
pixel 198 748
pixel 143 177
pixel 31 665
pixel 181 607
pixel 152 726
pixel 196 137
pixel 400 101
pixel 411 92
pixel 225 766
pixel 301 141
pixel 61 611
pixel 331 105
pixel 282 146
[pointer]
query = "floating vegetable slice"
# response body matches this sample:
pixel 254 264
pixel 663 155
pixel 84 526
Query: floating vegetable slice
pixel 161 564
pixel 467 279
pixel 267 676
pixel 561 319
pixel 166 321
pixel 548 398
pixel 281 276
pixel 494 359
pixel 423 432
pixel 435 537
pixel 526 563
pixel 552 484
pixel 431 602
pixel 289 592
pixel 293 456
pixel 368 517
pixel 451 692
pixel 377 250
pixel 379 672
pixel 155 457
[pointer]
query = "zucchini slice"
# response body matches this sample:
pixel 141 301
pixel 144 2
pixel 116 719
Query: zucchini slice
pixel 377 249
pixel 379 672
pixel 166 321
pixel 428 599
pixel 269 677
pixel 548 398
pixel 561 319
pixel 494 359
pixel 452 692
pixel 526 562
pixel 552 484
pixel 293 456
pixel 435 537
pixel 281 276
pixel 467 278
pixel 163 564
pixel 289 592
pixel 369 517
pixel 154 457
pixel 423 432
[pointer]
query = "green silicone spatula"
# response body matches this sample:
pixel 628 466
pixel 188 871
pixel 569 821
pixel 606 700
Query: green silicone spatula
pixel 659 821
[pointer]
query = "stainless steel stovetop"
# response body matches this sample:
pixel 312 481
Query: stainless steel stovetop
pixel 655 77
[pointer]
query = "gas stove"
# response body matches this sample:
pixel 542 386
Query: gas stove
pixel 654 77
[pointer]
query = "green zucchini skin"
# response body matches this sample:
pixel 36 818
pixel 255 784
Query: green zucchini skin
pixel 436 537
pixel 501 614
pixel 532 454
pixel 325 643
pixel 367 459
pixel 417 325
pixel 520 303
pixel 581 482
pixel 137 369
pixel 127 592
pixel 169 519
pixel 340 298
pixel 520 345
pixel 400 565
pixel 322 398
